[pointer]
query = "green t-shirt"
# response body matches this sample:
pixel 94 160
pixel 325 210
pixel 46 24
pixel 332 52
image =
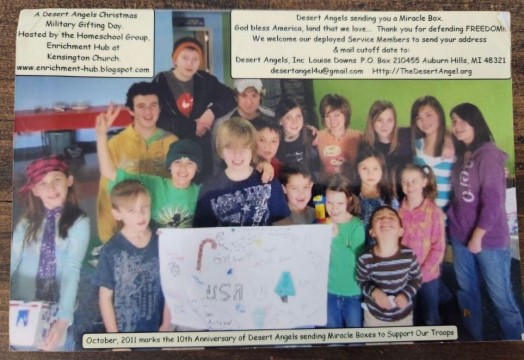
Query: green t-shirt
pixel 171 207
pixel 345 250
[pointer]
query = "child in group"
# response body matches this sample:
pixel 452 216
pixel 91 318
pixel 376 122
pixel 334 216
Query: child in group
pixel 372 184
pixel 296 146
pixel 428 139
pixel 173 199
pixel 424 233
pixel 50 242
pixel 337 143
pixel 344 293
pixel 191 99
pixel 382 133
pixel 128 271
pixel 297 183
pixel 478 225
pixel 140 148
pixel 268 141
pixel 388 273
pixel 248 96
pixel 237 196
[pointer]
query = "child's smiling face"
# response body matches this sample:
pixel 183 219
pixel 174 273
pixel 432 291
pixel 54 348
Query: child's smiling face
pixel 462 130
pixel 292 123
pixel 337 206
pixel 413 183
pixel 298 191
pixel 146 110
pixel 335 121
pixel 182 172
pixel 53 188
pixel 237 158
pixel 428 120
pixel 385 225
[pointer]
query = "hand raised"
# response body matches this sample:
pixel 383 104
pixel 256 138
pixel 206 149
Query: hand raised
pixel 105 120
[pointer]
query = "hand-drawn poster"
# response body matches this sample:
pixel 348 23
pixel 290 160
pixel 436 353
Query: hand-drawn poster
pixel 139 136
pixel 211 277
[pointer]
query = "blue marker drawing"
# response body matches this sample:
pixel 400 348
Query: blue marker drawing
pixel 230 271
pixel 259 316
pixel 198 280
pixel 240 308
pixel 285 286
pixel 22 318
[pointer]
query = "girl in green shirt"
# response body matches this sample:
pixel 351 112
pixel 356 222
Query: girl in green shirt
pixel 344 294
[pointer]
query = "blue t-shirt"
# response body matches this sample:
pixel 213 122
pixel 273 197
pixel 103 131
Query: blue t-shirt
pixel 249 202
pixel 134 276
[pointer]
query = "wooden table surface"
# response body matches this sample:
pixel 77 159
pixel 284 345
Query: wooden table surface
pixel 8 21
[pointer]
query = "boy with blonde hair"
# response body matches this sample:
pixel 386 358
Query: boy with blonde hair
pixel 237 196
pixel 248 96
pixel 128 272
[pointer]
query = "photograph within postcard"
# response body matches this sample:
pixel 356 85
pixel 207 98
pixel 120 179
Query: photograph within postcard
pixel 253 178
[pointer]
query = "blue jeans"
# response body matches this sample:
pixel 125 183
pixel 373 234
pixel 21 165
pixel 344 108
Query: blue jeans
pixel 344 311
pixel 426 304
pixel 493 267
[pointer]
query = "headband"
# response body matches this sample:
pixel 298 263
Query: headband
pixel 187 45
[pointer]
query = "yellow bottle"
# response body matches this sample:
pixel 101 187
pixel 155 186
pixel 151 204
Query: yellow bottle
pixel 320 209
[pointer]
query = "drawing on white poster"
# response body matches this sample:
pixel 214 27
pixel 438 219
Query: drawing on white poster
pixel 246 277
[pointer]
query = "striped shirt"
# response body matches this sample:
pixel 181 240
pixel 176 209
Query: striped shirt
pixel 442 170
pixel 398 274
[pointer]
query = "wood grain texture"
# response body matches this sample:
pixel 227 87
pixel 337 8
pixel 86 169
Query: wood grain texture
pixel 8 21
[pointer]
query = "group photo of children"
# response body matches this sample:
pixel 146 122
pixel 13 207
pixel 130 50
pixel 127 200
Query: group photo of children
pixel 412 175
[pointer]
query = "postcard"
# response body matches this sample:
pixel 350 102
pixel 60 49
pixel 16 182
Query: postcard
pixel 244 178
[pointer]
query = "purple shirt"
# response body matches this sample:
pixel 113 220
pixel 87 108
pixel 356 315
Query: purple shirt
pixel 479 198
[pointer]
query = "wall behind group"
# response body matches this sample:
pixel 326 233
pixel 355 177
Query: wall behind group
pixel 493 97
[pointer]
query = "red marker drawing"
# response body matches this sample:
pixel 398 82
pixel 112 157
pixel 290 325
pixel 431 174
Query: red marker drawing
pixel 201 250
